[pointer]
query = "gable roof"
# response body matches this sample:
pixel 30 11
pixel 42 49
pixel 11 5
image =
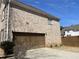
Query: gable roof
pixel 36 10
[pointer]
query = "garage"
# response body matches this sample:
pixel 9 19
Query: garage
pixel 29 40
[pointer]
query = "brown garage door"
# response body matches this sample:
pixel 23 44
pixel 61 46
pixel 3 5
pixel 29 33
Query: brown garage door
pixel 29 40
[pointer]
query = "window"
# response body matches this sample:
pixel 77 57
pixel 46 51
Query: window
pixel 49 22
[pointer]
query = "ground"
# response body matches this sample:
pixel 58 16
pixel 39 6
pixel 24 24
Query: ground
pixel 69 48
pixel 64 52
pixel 50 53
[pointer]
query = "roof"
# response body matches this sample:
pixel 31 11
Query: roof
pixel 34 9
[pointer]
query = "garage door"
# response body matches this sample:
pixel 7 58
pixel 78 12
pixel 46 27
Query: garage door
pixel 29 40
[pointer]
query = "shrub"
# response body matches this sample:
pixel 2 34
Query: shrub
pixel 8 47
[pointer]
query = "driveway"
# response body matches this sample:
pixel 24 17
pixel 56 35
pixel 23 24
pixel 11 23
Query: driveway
pixel 50 53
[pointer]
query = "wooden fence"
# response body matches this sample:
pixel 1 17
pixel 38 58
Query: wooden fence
pixel 71 41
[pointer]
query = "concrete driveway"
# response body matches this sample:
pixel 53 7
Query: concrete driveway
pixel 48 53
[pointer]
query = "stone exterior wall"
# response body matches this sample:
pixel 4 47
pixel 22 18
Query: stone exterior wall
pixel 0 24
pixel 53 34
pixel 26 21
pixel 1 16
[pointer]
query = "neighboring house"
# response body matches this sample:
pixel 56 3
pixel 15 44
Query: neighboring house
pixel 25 24
pixel 71 33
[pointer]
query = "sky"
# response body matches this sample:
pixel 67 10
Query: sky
pixel 66 10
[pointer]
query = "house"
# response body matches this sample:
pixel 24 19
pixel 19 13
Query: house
pixel 70 31
pixel 28 26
